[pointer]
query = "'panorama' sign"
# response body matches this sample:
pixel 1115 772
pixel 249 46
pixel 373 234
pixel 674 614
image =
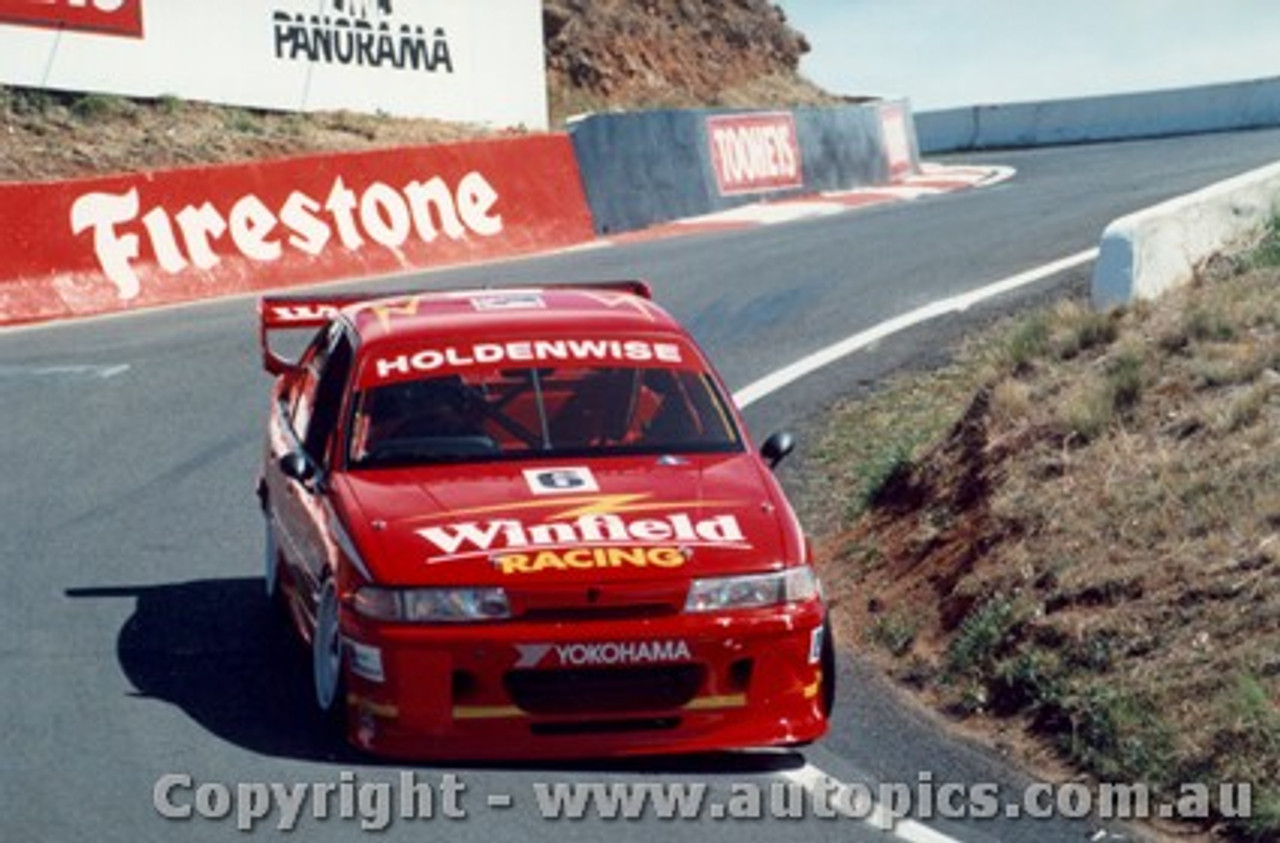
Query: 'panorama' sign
pixel 367 34
pixel 477 62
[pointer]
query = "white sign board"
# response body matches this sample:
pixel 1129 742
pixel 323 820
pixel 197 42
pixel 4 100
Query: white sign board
pixel 478 61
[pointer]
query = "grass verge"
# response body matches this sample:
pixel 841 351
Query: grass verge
pixel 1071 535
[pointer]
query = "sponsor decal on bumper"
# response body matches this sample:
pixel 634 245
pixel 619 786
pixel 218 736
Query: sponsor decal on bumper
pixel 603 653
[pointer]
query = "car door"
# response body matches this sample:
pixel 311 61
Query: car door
pixel 309 413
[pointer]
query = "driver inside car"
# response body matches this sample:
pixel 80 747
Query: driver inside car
pixel 426 409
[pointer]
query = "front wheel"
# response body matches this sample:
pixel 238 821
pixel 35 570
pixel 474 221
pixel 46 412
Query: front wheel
pixel 326 653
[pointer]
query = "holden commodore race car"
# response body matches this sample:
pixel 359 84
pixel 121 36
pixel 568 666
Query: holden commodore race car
pixel 528 523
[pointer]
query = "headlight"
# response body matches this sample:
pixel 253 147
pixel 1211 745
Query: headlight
pixel 794 585
pixel 433 605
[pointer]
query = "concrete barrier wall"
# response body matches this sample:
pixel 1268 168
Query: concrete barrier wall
pixel 1161 247
pixel 1210 108
pixel 643 168
pixel 843 147
pixel 82 247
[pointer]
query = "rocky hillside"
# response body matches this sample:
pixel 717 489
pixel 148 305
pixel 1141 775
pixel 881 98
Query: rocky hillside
pixel 623 53
pixel 601 54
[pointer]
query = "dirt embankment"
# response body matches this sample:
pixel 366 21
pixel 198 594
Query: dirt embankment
pixel 601 54
pixel 1069 540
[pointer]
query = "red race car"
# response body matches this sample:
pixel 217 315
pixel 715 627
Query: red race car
pixel 528 523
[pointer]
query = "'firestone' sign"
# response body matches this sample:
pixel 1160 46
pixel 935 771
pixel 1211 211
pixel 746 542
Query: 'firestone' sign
pixel 386 215
pixel 480 62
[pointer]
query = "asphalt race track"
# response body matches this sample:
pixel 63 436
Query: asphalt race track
pixel 136 642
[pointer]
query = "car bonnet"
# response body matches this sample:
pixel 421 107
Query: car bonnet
pixel 625 518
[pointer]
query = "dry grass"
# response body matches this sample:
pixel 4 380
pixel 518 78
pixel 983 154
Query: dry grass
pixel 1073 532
pixel 46 134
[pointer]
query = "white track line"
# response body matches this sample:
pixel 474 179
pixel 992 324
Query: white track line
pixel 815 781
pixel 914 832
pixel 788 375
pixel 71 370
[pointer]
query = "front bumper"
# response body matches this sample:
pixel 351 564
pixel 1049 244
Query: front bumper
pixel 683 683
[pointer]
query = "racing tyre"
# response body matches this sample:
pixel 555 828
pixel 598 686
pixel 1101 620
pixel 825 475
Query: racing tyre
pixel 271 562
pixel 326 653
pixel 828 664
pixel 272 571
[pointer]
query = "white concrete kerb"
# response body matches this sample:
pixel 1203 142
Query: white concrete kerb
pixel 1161 247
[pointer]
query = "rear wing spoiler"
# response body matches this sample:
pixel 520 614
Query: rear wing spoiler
pixel 277 313
pixel 314 311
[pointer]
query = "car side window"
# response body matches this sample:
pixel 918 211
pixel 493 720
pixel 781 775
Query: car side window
pixel 301 398
pixel 327 402
pixel 316 399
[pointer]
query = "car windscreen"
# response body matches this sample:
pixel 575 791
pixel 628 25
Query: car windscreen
pixel 479 415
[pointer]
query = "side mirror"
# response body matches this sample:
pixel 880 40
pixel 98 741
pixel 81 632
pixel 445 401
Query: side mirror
pixel 776 447
pixel 297 466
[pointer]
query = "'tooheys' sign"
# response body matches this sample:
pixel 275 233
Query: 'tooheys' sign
pixel 755 153
pixel 126 241
pixel 116 17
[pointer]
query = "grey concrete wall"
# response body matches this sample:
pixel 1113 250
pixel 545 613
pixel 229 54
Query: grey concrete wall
pixel 1240 105
pixel 643 168
pixel 639 168
pixel 842 147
